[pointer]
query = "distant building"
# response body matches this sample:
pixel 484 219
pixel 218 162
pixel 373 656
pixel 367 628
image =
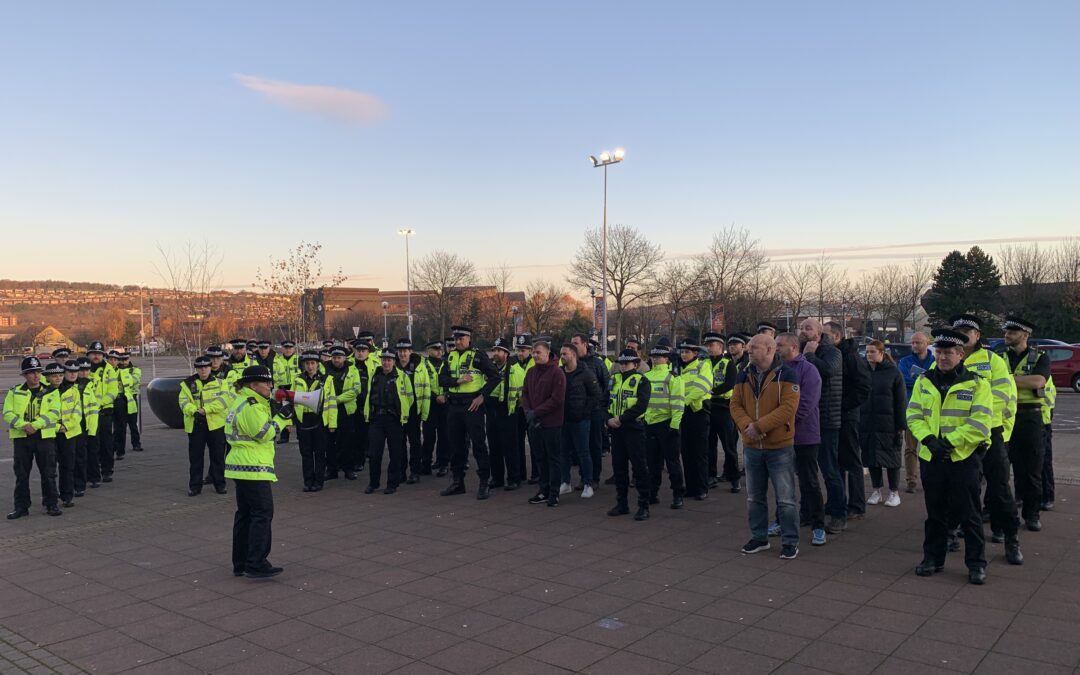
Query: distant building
pixel 8 321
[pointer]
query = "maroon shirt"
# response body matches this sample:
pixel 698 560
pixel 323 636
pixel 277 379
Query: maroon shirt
pixel 543 393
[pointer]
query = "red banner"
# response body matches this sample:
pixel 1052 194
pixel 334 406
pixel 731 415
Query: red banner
pixel 599 309
pixel 716 317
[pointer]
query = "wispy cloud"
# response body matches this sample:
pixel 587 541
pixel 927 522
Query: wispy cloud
pixel 344 106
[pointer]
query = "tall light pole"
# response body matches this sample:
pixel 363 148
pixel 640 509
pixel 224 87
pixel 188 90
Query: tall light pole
pixel 606 158
pixel 408 232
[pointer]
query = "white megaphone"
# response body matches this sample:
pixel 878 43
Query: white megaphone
pixel 308 399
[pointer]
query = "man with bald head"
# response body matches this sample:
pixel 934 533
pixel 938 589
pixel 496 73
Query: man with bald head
pixel 911 366
pixel 763 407
pixel 818 349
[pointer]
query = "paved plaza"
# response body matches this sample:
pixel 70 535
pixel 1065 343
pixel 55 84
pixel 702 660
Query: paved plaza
pixel 136 578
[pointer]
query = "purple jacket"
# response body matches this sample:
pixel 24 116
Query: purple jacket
pixel 807 419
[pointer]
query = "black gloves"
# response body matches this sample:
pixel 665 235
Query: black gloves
pixel 284 410
pixel 939 448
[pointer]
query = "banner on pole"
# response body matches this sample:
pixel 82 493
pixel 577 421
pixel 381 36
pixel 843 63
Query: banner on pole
pixel 716 317
pixel 599 310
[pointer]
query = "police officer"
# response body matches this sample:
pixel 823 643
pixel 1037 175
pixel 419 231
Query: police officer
pixel 434 427
pixel 411 364
pixel 1048 459
pixel 469 378
pixel 253 351
pixel 767 328
pixel 696 375
pixel 1031 370
pixel 630 393
pixel 204 403
pixel 107 386
pixel 251 425
pixel 313 427
pixel 127 415
pixel 68 432
pixel 286 366
pixel 721 427
pixel 663 419
pixel 523 347
pixel 87 469
pixel 366 365
pixel 238 357
pixel 32 414
pixel 340 445
pixel 391 398
pixel 950 413
pixel 61 355
pixel 501 422
pixel 219 370
pixel 991 367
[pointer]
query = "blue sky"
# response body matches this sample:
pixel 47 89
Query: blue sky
pixel 816 125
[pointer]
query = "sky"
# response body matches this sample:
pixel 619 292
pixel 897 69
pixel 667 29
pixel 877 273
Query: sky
pixel 844 127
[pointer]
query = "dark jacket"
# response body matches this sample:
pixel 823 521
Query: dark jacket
pixel 884 418
pixel 830 365
pixel 856 379
pixel 596 364
pixel 543 394
pixel 582 393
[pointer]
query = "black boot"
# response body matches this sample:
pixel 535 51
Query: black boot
pixel 642 511
pixel 977 576
pixel 928 567
pixel 454 488
pixel 677 502
pixel 484 491
pixel 997 537
pixel 620 509
pixel 1012 551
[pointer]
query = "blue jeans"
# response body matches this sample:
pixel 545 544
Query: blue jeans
pixel 575 441
pixel 828 462
pixel 778 466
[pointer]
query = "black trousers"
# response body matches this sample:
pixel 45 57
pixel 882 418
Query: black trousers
pixel 720 425
pixel 385 432
pixel 849 458
pixel 106 458
pixel 694 438
pixel 462 424
pixel 999 495
pixel 93 458
pixel 79 478
pixel 811 499
pixel 339 445
pixel 502 436
pixel 202 441
pixel 597 440
pixel 1048 465
pixel 251 525
pixel 28 451
pixel 435 442
pixel 360 438
pixel 65 466
pixel 546 448
pixel 120 425
pixel 133 425
pixel 1027 448
pixel 628 451
pixel 520 429
pixel 951 490
pixel 312 444
pixel 662 450
pixel 415 450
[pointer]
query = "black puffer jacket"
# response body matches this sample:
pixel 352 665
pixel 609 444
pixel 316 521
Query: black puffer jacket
pixel 595 364
pixel 830 365
pixel 582 393
pixel 884 418
pixel 856 379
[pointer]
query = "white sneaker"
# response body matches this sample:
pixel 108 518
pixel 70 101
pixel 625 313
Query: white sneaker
pixel 893 500
pixel 587 492
pixel 565 489
pixel 874 499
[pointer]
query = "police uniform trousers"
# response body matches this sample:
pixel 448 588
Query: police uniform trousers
pixel 1048 464
pixel 461 425
pixel 1026 451
pixel 694 439
pixel 360 438
pixel 93 458
pixel 105 442
pixel 28 451
pixel 722 428
pixel 311 439
pixel 435 444
pixel 628 451
pixel 415 449
pixel 251 525
pixel 79 477
pixel 662 450
pixel 65 466
pixel 999 495
pixel 502 436
pixel 201 440
pixel 339 445
pixel 133 426
pixel 120 425
pixel 849 458
pixel 385 432
pixel 951 490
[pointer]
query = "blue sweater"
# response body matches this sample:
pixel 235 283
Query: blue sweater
pixel 911 366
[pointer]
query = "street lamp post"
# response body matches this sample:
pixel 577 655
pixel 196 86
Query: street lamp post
pixel 513 325
pixel 385 321
pixel 408 232
pixel 605 160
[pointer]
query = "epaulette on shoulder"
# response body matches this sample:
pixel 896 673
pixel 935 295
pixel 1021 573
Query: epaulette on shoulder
pixel 252 400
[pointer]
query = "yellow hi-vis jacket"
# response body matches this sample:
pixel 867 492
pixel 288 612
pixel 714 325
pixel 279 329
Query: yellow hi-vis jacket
pixel 39 407
pixel 250 429
pixel 963 416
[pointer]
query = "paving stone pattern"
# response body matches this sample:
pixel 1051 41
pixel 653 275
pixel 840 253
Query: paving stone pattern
pixel 136 578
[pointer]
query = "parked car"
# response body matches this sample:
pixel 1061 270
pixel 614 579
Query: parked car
pixel 898 350
pixel 998 344
pixel 1064 365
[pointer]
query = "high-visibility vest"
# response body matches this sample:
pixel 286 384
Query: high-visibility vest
pixel 90 405
pixel 70 409
pixel 993 368
pixel 349 390
pixel 286 369
pixel 624 390
pixel 421 389
pixel 405 393
pixel 462 363
pixel 666 402
pixel 517 383
pixel 250 430
pixel 697 380
pixel 129 382
pixel 209 395
pixel 1027 397
pixel 1051 401
pixel 719 370
pixel 328 403
pixel 39 407
pixel 432 372
pixel 963 417
pixel 106 383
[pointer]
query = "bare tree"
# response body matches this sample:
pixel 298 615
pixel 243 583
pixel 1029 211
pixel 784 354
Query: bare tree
pixel 191 273
pixel 1065 262
pixel 733 256
pixel 445 276
pixel 798 285
pixel 495 308
pixel 1025 267
pixel 677 284
pixel 299 271
pixel 542 306
pixel 863 301
pixel 631 268
pixel 826 282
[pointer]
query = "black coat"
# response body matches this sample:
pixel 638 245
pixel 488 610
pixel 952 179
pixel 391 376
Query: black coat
pixel 830 365
pixel 582 393
pixel 856 378
pixel 884 418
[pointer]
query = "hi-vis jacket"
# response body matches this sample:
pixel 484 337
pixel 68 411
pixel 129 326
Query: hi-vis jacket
pixel 993 368
pixel 250 429
pixel 666 402
pixel 328 403
pixel 106 384
pixel 697 381
pixel 210 395
pixel 39 407
pixel 963 416
pixel 70 409
pixel 90 405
